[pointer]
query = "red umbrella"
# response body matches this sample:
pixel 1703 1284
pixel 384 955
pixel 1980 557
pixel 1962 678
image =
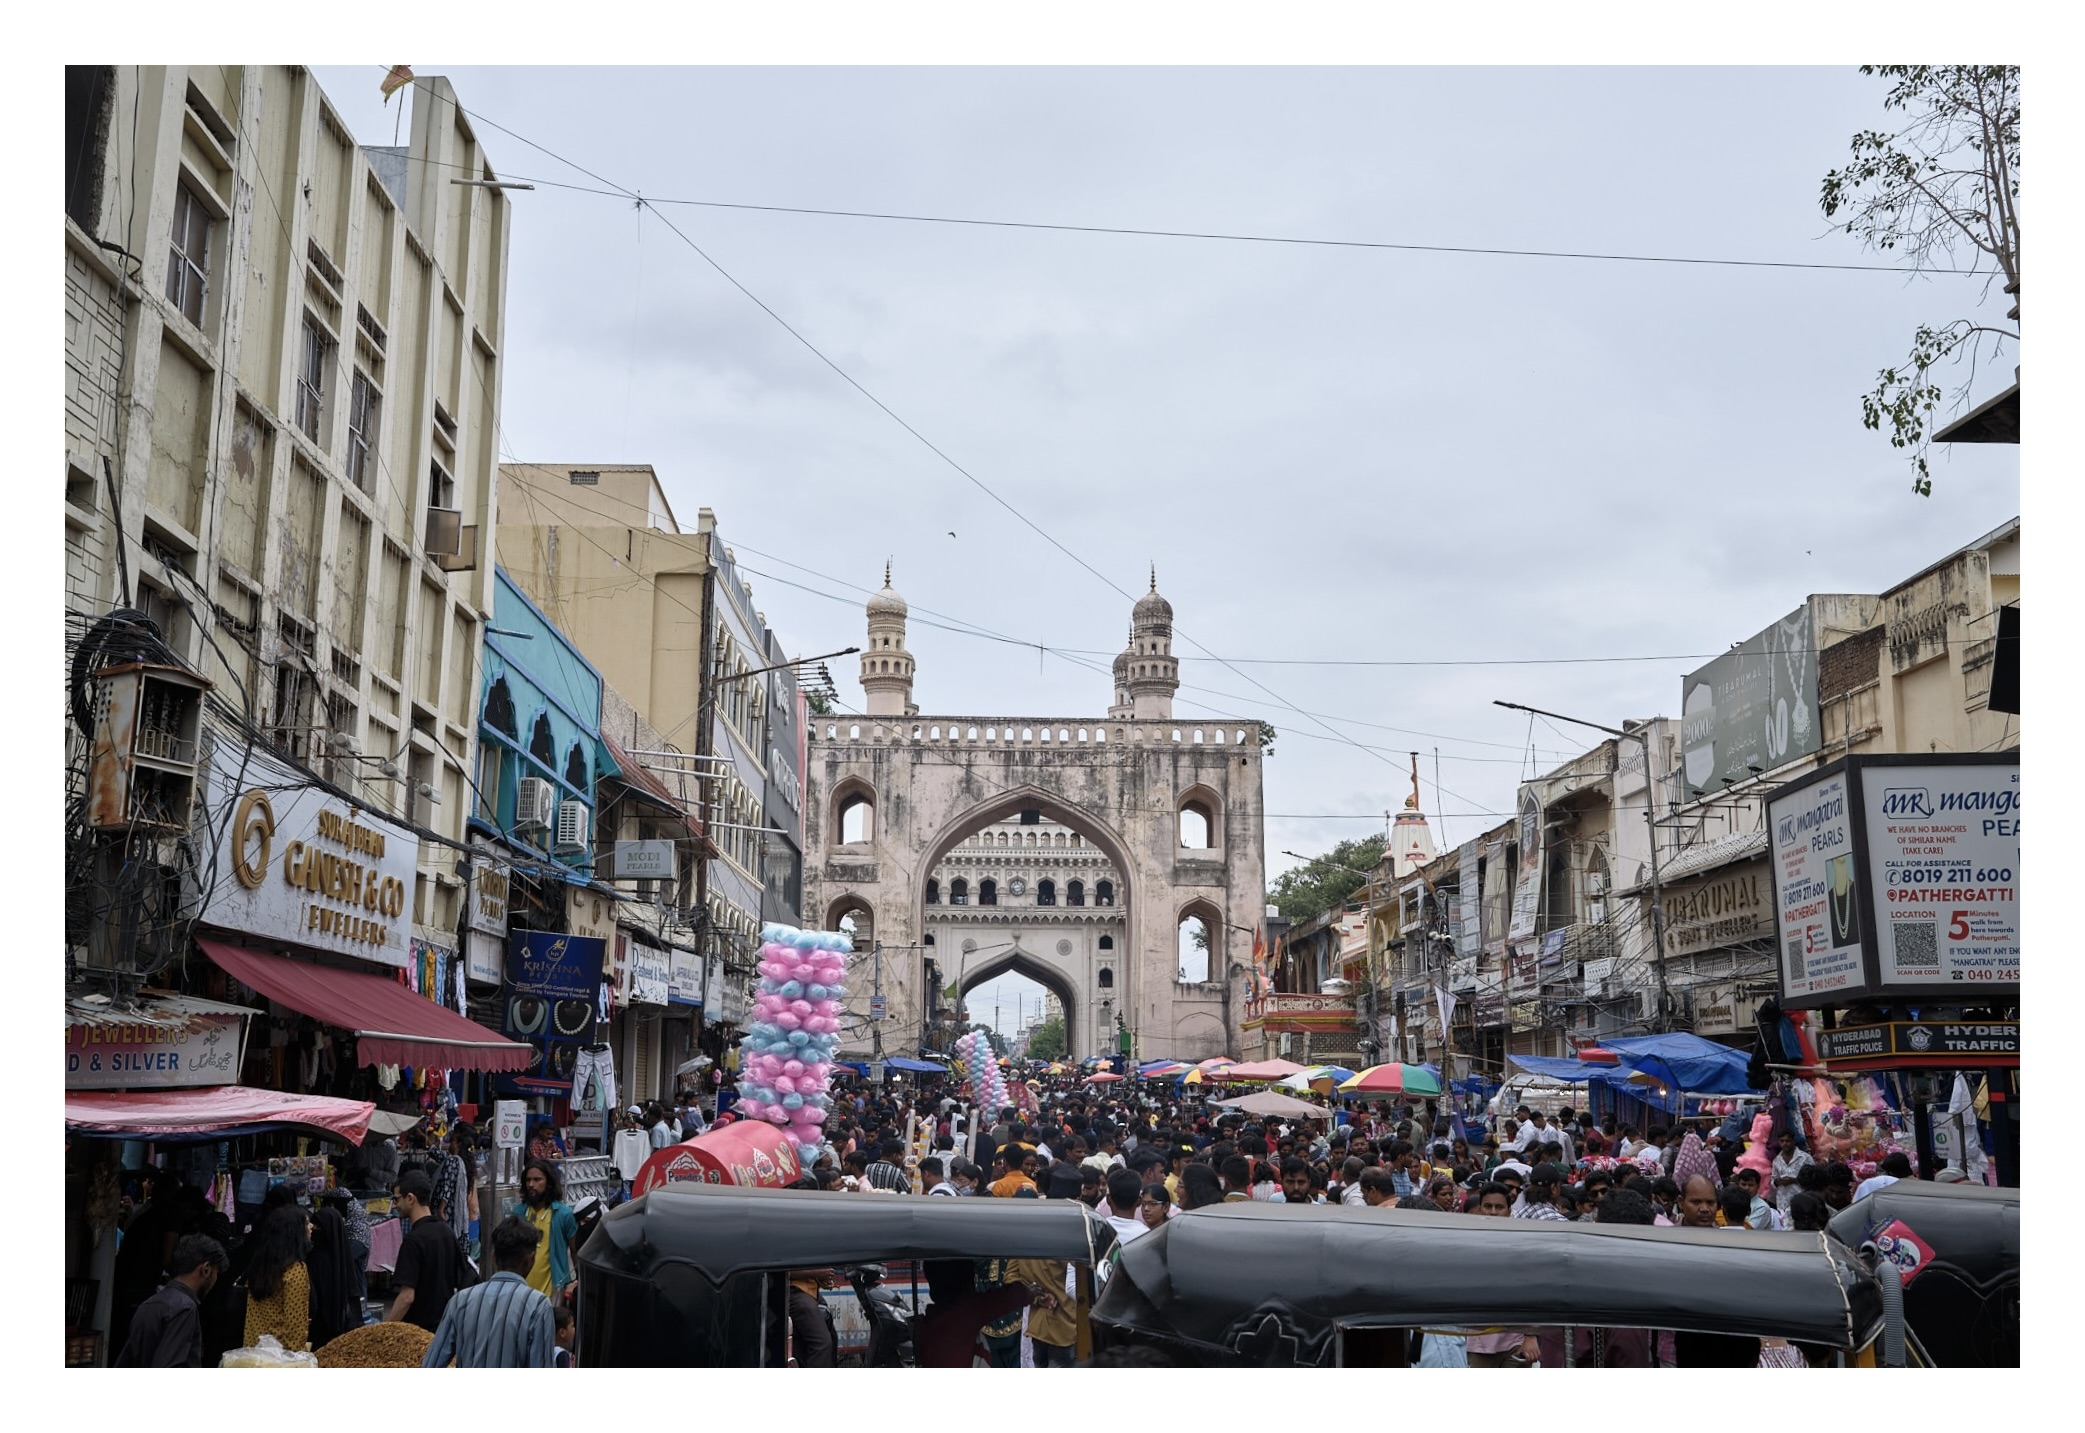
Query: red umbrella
pixel 1102 1079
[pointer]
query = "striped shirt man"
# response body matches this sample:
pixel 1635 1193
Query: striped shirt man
pixel 501 1323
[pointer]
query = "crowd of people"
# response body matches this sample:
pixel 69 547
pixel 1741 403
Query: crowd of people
pixel 1139 1161
pixel 1138 1157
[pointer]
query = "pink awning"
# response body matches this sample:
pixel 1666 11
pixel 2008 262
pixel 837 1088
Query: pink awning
pixel 212 1110
pixel 391 1025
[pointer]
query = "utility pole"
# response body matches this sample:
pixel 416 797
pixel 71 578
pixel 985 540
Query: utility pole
pixel 876 1007
pixel 1650 821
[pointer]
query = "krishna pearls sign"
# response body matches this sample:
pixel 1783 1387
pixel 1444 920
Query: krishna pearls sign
pixel 293 862
pixel 1816 895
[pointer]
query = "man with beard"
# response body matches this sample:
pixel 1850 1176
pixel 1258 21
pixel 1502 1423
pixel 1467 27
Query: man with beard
pixel 543 1205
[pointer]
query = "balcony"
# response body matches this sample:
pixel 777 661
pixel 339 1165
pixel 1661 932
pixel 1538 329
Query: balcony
pixel 1300 1012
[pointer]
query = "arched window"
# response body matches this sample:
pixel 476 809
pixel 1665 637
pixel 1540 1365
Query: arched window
pixel 541 745
pixel 1106 978
pixel 927 939
pixel 1075 894
pixel 1046 893
pixel 1002 838
pixel 1075 841
pixel 1031 838
pixel 988 892
pixel 857 819
pixel 933 893
pixel 1107 942
pixel 959 892
pixel 1197 946
pixel 499 709
pixel 1104 893
pixel 575 767
pixel 1197 821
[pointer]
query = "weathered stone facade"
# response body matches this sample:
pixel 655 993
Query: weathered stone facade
pixel 1120 784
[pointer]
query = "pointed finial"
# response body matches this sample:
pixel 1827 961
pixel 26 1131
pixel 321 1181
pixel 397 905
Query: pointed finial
pixel 1412 801
pixel 886 572
pixel 1154 577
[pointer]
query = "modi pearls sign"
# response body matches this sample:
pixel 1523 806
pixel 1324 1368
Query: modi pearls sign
pixel 293 862
pixel 1897 877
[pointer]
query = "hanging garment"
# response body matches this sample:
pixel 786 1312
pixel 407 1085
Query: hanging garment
pixel 593 1081
pixel 387 1077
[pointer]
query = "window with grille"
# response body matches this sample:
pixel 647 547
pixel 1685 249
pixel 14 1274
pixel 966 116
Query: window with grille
pixel 188 255
pixel 365 406
pixel 313 362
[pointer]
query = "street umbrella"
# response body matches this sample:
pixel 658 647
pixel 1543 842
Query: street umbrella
pixel 1214 1063
pixel 1318 1078
pixel 1159 1069
pixel 1267 1102
pixel 1392 1080
pixel 1102 1079
pixel 1260 1070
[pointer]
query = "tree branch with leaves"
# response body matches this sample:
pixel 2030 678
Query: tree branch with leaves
pixel 1944 191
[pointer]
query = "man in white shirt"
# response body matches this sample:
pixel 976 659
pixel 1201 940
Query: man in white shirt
pixel 931 1174
pixel 1120 1207
pixel 1539 1131
pixel 1105 1157
pixel 661 1132
pixel 1789 1162
pixel 1896 1165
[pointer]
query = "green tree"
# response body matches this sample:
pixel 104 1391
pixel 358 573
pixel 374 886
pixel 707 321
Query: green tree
pixel 1047 1043
pixel 1944 190
pixel 1331 880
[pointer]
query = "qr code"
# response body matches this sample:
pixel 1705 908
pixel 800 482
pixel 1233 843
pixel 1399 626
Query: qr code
pixel 1915 944
pixel 1795 959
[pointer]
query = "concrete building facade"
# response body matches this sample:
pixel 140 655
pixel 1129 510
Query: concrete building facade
pixel 1167 810
pixel 282 392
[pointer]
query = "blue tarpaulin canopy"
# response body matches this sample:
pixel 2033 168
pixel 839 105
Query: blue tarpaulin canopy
pixel 1686 1062
pixel 915 1067
pixel 1570 1072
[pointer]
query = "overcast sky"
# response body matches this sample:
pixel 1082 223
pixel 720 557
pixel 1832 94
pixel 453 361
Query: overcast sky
pixel 1329 453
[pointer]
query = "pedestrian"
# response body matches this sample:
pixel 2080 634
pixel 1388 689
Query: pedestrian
pixel 428 1258
pixel 1698 1209
pixel 1895 1165
pixel 1758 1214
pixel 1015 1167
pixel 1540 1200
pixel 888 1169
pixel 1154 1206
pixel 660 1132
pixel 931 1176
pixel 166 1331
pixel 567 1332
pixel 1807 1212
pixel 336 1299
pixel 1296 1187
pixel 278 1280
pixel 503 1322
pixel 1789 1163
pixel 1200 1187
pixel 543 1206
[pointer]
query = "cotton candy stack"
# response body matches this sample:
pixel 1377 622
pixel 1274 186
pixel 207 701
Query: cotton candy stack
pixel 981 1068
pixel 786 1057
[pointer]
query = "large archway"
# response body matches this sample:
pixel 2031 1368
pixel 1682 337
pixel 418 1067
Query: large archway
pixel 1026 963
pixel 1096 988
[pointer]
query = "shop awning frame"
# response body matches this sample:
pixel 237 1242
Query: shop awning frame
pixel 210 1112
pixel 391 1025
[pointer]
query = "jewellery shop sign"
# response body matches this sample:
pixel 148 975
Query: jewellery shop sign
pixel 294 863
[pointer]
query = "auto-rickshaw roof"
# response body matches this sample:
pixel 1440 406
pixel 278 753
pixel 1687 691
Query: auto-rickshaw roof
pixel 1970 1227
pixel 1248 1278
pixel 722 1230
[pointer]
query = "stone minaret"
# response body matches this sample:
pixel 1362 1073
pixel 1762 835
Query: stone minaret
pixel 886 665
pixel 1153 670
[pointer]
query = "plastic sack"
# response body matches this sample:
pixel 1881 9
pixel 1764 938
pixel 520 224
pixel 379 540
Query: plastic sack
pixel 268 1353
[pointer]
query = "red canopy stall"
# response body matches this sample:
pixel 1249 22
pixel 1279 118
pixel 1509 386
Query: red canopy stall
pixel 744 1152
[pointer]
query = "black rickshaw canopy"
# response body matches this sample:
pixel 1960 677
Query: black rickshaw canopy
pixel 721 1230
pixel 1254 1280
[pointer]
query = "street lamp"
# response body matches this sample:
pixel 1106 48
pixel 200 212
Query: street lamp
pixel 1650 820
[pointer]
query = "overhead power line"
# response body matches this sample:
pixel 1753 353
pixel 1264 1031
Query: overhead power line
pixel 1205 235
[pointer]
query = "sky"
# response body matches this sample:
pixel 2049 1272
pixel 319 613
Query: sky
pixel 1330 454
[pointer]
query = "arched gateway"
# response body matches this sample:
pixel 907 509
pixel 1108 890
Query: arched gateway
pixel 1052 847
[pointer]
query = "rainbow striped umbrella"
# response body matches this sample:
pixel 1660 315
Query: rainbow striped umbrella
pixel 1392 1080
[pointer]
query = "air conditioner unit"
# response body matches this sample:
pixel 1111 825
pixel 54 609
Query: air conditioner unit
pixel 533 800
pixel 571 826
pixel 444 532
